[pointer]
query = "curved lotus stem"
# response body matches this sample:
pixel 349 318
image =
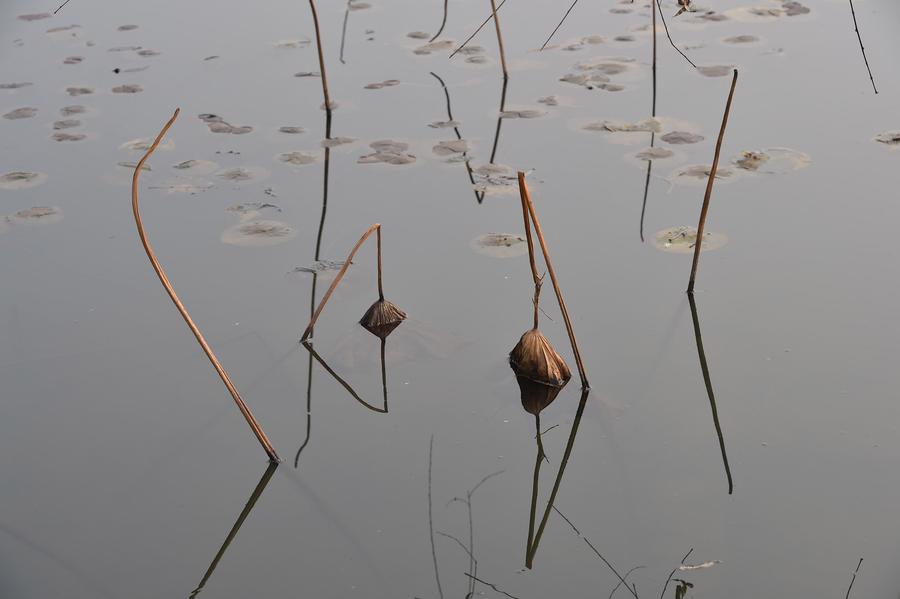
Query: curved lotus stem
pixel 248 416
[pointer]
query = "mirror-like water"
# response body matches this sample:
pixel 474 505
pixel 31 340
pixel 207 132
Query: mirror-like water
pixel 756 424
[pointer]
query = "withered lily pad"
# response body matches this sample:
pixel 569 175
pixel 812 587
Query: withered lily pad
pixel 291 130
pixel 650 125
pixel 500 245
pixel 290 44
pixel 250 210
pixel 242 174
pixel 38 215
pixel 741 39
pixel 130 88
pixel 196 167
pixel 522 114
pixel 147 52
pixel 381 84
pixel 715 70
pixel 296 158
pixel 682 240
pixel 451 147
pixel 698 174
pixel 772 161
pixel 142 144
pixel 889 138
pixel 21 180
pixel 70 110
pixel 443 124
pixel 79 91
pixel 66 124
pixel 35 16
pixel 333 142
pixel 65 136
pixel 418 35
pixel 126 27
pixel 549 100
pixel 21 113
pixel 259 233
pixel 388 152
pixel 217 124
pixel 73 60
pixel 321 266
pixel 654 154
pixel 681 137
pixel 495 179
pixel 434 47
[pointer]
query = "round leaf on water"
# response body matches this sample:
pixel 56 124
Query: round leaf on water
pixel 500 245
pixel 771 161
pixel 21 180
pixel 38 215
pixel 682 240
pixel 259 233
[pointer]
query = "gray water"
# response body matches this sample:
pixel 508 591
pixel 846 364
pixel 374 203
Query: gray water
pixel 124 463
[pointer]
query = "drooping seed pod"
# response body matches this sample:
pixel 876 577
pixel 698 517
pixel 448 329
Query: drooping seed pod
pixel 534 358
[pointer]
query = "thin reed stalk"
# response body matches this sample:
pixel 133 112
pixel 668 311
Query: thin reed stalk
pixel 562 302
pixel 443 23
pixel 558 25
pixel 852 580
pixel 709 186
pixel 323 76
pixel 668 35
pixel 480 27
pixel 862 49
pixel 344 32
pixel 499 40
pixel 337 280
pixel 248 416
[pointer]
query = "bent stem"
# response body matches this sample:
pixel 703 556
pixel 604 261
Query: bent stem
pixel 709 185
pixel 337 279
pixel 668 35
pixel 248 416
pixel 523 187
pixel 443 23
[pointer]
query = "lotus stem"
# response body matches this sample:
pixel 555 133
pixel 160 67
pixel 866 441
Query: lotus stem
pixel 499 40
pixel 709 185
pixel 248 416
pixel 480 27
pixel 443 23
pixel 562 302
pixel 315 16
pixel 862 49
pixel 558 25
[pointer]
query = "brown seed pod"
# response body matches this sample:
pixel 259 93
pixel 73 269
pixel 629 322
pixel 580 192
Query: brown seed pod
pixel 382 318
pixel 535 359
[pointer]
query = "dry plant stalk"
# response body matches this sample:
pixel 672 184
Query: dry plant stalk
pixel 443 23
pixel 861 47
pixel 709 185
pixel 523 187
pixel 480 27
pixel 382 313
pixel 499 40
pixel 558 25
pixel 315 16
pixel 248 416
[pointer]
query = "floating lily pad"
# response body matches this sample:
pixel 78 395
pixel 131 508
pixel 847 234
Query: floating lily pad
pixel 291 130
pixel 522 114
pixel 242 174
pixel 698 174
pixel 357 5
pixel 333 142
pixel 296 158
pixel 142 144
pixel 38 215
pixel 308 74
pixel 73 60
pixel 443 124
pixel 21 180
pixel 451 147
pixel 650 125
pixel 495 179
pixel 741 40
pixel 500 245
pixel 381 84
pixel 479 59
pixel 35 17
pixel 715 70
pixel 388 152
pixel 63 28
pixel 124 49
pixel 131 88
pixel 15 85
pixel 434 47
pixel 321 266
pixel 196 167
pixel 682 240
pixel 65 136
pixel 681 137
pixel 66 124
pixel 259 233
pixel 888 138
pixel 654 154
pixel 772 161
pixel 418 35
pixel 147 52
pixel 217 124
pixel 549 100
pixel 79 91
pixel 21 113
pixel 251 210
pixel 70 110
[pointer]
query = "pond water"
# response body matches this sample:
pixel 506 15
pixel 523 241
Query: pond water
pixel 126 469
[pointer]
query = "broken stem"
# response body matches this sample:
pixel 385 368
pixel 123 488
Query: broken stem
pixel 562 303
pixel 709 185
pixel 248 416
pixel 337 280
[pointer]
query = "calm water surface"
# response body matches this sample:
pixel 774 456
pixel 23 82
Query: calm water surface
pixel 124 464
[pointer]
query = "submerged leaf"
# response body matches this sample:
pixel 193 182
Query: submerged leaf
pixel 681 240
pixel 259 234
pixel 21 180
pixel 38 215
pixel 500 245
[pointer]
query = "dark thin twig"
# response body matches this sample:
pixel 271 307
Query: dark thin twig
pixel 672 573
pixel 499 40
pixel 480 27
pixel 344 32
pixel 709 185
pixel 340 380
pixel 605 561
pixel 616 588
pixel 859 37
pixel 492 586
pixel 668 35
pixel 457 132
pixel 853 579
pixel 558 25
pixel 60 6
pixel 437 576
pixel 443 23
pixel 323 77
